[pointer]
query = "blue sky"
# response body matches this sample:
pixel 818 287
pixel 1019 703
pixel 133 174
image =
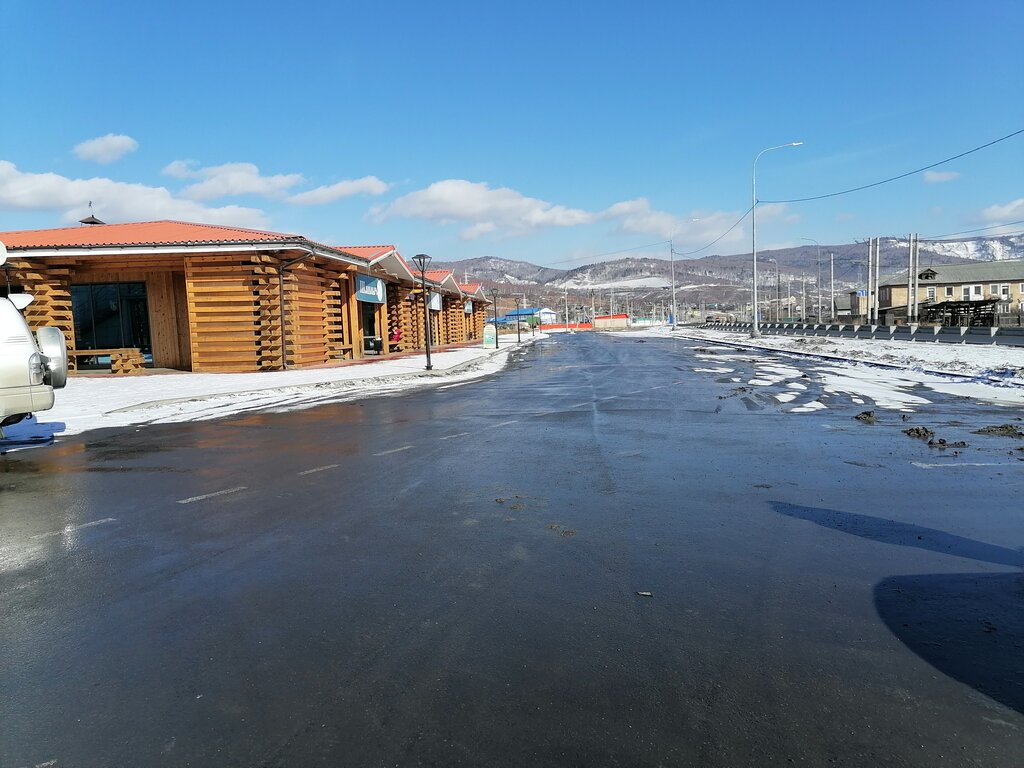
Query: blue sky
pixel 549 132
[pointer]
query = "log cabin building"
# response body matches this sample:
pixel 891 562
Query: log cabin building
pixel 201 297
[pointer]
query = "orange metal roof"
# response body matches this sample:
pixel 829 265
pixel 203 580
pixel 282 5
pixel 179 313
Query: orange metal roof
pixel 368 252
pixel 139 233
pixel 437 275
pixel 470 287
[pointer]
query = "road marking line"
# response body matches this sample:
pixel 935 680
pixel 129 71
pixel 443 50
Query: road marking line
pixel 449 437
pixel 505 423
pixel 394 450
pixel 211 495
pixel 319 469
pixel 923 465
pixel 73 528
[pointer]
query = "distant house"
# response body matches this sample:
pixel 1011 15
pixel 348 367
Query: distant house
pixel 535 315
pixel 956 294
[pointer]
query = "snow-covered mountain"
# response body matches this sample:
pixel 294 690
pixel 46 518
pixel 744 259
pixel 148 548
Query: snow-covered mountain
pixel 978 248
pixel 489 269
pixel 724 278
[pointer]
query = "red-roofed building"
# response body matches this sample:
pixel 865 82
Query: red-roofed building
pixel 206 297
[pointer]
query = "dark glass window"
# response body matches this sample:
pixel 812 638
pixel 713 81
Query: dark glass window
pixel 111 315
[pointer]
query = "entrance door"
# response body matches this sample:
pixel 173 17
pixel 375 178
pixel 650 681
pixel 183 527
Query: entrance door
pixel 111 316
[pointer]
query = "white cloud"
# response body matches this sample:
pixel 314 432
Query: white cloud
pixel 229 180
pixel 181 169
pixel 484 209
pixel 106 149
pixel 637 217
pixel 1013 210
pixel 114 200
pixel 368 185
pixel 938 177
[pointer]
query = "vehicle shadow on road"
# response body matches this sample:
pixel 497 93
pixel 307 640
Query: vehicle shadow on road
pixel 969 626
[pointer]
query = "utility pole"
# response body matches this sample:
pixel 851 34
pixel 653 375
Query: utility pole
pixel 778 294
pixel 803 298
pixel 878 298
pixel 565 297
pixel 832 287
pixel 672 264
pixel 909 279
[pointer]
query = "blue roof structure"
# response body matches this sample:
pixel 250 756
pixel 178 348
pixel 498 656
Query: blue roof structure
pixel 524 312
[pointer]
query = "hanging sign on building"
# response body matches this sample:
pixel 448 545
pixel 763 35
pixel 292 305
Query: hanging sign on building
pixel 371 290
pixel 468 307
pixel 435 301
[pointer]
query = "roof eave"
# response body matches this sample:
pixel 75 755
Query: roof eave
pixel 192 248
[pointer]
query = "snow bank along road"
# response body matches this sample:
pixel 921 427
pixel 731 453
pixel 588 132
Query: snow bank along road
pixel 97 402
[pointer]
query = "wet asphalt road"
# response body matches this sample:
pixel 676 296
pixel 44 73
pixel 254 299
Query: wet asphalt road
pixel 450 577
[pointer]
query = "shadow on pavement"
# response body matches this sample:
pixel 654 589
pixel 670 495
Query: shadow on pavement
pixel 969 626
pixel 903 534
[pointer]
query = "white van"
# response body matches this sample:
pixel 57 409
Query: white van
pixel 31 367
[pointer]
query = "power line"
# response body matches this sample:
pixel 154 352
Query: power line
pixel 979 229
pixel 610 253
pixel 901 176
pixel 705 247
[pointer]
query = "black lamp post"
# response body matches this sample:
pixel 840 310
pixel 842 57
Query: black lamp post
pixel 423 261
pixel 519 337
pixel 495 321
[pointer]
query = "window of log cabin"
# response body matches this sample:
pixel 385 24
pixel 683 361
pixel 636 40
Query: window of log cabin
pixel 111 316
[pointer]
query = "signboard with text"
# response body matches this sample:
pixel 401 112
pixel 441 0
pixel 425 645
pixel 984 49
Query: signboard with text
pixel 370 290
pixel 490 337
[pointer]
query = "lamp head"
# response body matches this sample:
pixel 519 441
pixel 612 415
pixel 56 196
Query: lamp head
pixel 422 261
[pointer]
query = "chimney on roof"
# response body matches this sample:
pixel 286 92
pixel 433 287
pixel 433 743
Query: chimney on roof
pixel 90 219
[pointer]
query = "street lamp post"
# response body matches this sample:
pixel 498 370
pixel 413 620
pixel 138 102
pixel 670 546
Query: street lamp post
pixel 755 331
pixel 495 320
pixel 519 337
pixel 817 315
pixel 423 261
pixel 672 264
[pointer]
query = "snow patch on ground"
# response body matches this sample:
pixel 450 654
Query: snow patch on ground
pixel 98 402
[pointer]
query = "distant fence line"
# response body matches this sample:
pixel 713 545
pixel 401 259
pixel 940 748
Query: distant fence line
pixel 943 334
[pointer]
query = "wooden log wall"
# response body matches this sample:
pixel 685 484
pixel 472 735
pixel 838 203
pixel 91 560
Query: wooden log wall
pixel 451 313
pixel 305 323
pixel 231 310
pixel 50 287
pixel 414 327
pixel 479 319
pixel 396 297
pixel 337 290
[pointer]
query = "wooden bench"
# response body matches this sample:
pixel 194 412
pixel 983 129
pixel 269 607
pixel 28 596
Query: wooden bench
pixel 124 360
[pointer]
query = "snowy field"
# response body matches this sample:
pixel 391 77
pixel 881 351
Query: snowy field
pixel 987 373
pixel 990 374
